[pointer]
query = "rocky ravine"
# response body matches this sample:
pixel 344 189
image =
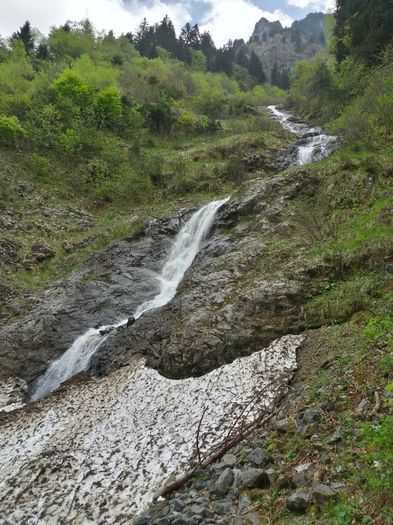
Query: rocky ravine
pixel 243 291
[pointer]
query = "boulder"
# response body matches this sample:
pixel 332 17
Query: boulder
pixel 298 502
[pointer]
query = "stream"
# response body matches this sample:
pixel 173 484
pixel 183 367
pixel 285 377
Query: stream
pixel 98 450
pixel 185 247
pixel 313 144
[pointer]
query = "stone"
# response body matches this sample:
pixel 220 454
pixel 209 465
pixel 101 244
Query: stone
pixel 260 457
pixel 229 459
pixel 253 478
pixel 201 511
pixel 176 504
pixel 298 502
pixel 223 506
pixel 248 519
pixel 363 407
pixel 285 425
pixel 142 520
pixel 183 520
pixel 323 493
pixel 244 503
pixel 309 416
pixel 224 482
pixel 272 475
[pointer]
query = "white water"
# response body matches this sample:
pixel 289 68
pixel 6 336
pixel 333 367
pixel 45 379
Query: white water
pixel 185 248
pixel 315 147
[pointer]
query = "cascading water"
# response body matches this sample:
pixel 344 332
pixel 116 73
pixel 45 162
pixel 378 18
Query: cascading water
pixel 313 144
pixel 185 248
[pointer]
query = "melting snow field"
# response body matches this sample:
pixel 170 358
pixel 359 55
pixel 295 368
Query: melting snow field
pixel 97 451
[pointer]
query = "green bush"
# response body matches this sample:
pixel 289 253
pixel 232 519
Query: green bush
pixel 39 165
pixel 10 130
pixel 108 108
pixel 380 457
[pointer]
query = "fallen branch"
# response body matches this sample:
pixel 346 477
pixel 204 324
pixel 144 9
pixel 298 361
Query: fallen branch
pixel 219 450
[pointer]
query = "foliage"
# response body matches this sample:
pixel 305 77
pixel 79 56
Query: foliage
pixel 10 130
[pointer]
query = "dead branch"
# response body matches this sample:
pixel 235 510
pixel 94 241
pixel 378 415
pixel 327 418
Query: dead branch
pixel 197 435
pixel 219 450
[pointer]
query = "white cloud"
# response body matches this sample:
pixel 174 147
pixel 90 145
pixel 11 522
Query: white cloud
pixel 319 5
pixel 231 19
pixel 104 14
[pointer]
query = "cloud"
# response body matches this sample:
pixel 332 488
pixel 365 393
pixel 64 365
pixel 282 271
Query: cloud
pixel 104 14
pixel 231 19
pixel 319 5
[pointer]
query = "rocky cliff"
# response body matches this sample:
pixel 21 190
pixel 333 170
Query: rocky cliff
pixel 281 47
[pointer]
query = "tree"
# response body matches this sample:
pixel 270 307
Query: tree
pixel 242 58
pixel 25 35
pixel 255 68
pixel 165 36
pixel 275 75
pixel 363 29
pixel 108 107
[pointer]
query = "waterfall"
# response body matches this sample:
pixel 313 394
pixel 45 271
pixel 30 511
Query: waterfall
pixel 185 247
pixel 313 145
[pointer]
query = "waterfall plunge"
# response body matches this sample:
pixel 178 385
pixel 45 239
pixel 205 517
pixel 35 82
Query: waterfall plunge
pixel 185 248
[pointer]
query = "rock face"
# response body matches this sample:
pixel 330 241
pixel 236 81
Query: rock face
pixel 227 304
pixel 109 286
pixel 283 47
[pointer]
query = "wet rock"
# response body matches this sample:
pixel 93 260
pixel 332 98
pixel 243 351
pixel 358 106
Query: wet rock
pixel 224 482
pixel 298 502
pixel 323 493
pixel 260 457
pixel 253 478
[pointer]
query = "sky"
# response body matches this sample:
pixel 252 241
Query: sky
pixel 225 19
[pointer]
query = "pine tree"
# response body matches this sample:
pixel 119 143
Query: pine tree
pixel 26 36
pixel 255 68
pixel 242 58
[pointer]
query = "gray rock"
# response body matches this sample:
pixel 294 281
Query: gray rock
pixel 244 503
pixel 183 520
pixel 248 519
pixel 298 501
pixel 223 506
pixel 201 511
pixel 323 493
pixel 260 457
pixel 309 416
pixel 224 482
pixel 142 520
pixel 285 425
pixel 176 505
pixel 363 407
pixel 273 476
pixel 253 478
pixel 229 459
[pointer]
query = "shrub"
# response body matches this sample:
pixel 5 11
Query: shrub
pixel 10 130
pixel 39 165
pixel 108 108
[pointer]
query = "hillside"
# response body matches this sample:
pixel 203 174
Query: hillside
pixel 197 274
